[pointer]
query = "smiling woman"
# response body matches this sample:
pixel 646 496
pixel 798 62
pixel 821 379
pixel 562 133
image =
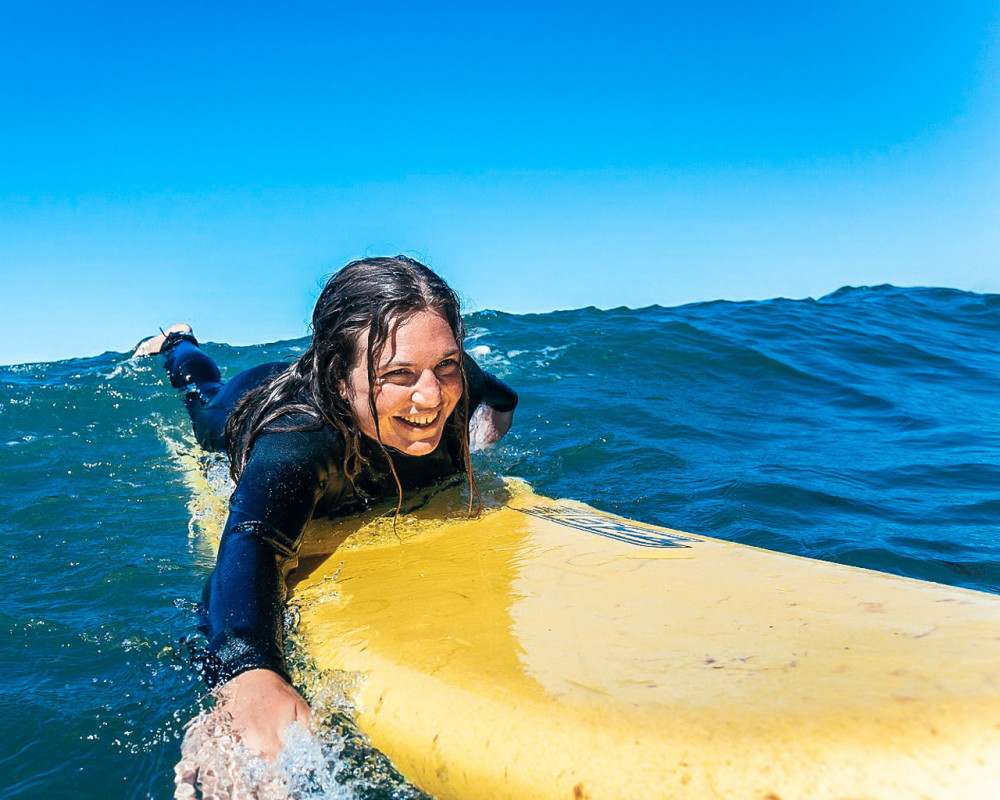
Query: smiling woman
pixel 380 402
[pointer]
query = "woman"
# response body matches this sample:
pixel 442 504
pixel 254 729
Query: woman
pixel 379 403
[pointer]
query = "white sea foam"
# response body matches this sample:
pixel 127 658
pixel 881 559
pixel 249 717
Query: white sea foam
pixel 311 763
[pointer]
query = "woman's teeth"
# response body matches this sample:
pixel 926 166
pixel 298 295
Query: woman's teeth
pixel 422 420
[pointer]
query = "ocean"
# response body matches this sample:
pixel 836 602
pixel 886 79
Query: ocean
pixel 862 427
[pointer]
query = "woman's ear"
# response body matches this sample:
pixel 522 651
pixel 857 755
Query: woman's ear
pixel 342 391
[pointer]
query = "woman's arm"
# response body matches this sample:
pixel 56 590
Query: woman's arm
pixel 493 402
pixel 244 599
pixel 488 426
pixel 274 499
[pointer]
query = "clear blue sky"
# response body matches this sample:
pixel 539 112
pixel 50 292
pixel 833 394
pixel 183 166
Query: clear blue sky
pixel 214 161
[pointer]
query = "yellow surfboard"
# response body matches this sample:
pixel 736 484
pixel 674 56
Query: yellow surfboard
pixel 550 650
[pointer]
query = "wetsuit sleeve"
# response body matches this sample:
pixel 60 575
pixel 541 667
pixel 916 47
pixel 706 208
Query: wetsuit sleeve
pixel 285 476
pixel 488 389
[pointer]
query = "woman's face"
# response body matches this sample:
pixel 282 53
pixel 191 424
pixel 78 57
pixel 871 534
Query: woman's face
pixel 418 382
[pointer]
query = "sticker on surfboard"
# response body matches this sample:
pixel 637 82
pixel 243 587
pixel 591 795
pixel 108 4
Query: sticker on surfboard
pixel 620 530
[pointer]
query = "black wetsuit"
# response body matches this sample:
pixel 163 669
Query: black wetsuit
pixel 290 477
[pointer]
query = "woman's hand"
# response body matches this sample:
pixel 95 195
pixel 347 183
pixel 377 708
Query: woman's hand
pixel 254 709
pixel 261 704
pixel 488 426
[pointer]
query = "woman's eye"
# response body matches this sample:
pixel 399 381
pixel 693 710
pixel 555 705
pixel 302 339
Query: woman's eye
pixel 448 364
pixel 396 375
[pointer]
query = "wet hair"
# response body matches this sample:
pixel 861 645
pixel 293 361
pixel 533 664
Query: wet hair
pixel 359 307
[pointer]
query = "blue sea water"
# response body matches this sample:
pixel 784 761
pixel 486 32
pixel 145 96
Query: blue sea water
pixel 862 427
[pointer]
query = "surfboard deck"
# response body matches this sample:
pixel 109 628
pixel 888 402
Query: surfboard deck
pixel 550 650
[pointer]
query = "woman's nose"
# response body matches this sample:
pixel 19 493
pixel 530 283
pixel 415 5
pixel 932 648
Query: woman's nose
pixel 427 392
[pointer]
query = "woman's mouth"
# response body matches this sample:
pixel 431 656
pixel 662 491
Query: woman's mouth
pixel 419 421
